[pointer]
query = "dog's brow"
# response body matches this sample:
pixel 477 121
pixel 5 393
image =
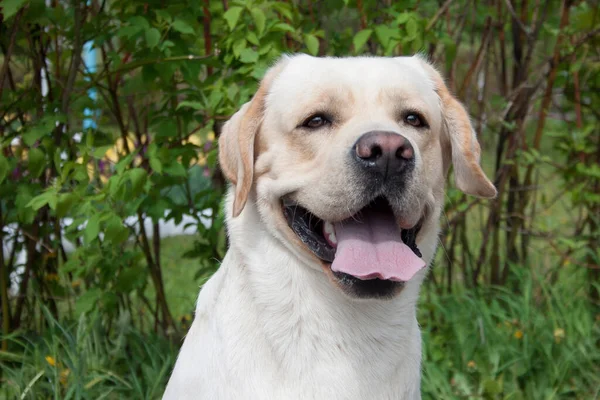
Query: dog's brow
pixel 328 103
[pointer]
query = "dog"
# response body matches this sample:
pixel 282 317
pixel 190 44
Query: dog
pixel 337 169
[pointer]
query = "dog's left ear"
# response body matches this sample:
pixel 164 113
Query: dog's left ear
pixel 236 142
pixel 466 152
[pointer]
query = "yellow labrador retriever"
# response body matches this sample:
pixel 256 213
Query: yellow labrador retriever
pixel 337 168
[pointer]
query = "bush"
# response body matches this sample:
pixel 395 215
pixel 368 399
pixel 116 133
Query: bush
pixel 110 112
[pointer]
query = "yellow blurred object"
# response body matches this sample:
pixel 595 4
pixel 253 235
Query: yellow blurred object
pixel 559 335
pixel 51 277
pixel 50 360
pixel 471 364
pixel 118 150
pixel 193 139
pixel 518 334
pixel 64 376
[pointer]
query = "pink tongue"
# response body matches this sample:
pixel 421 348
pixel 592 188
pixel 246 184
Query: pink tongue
pixel 372 248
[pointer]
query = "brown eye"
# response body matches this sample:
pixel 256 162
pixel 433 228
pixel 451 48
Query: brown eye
pixel 413 119
pixel 316 121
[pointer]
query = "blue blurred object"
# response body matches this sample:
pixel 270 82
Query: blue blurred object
pixel 89 61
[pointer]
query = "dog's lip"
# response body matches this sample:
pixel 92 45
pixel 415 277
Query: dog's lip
pixel 288 203
pixel 308 228
pixel 300 220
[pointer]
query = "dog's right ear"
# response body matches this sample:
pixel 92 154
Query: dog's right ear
pixel 236 142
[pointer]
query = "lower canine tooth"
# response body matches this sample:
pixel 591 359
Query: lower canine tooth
pixel 330 232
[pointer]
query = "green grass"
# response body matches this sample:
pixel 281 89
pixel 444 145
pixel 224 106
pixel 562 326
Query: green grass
pixel 532 342
pixel 82 360
pixel 178 274
pixel 538 342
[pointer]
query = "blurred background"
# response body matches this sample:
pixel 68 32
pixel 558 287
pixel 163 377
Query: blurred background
pixel 110 194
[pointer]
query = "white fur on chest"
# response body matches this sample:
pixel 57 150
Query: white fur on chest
pixel 267 327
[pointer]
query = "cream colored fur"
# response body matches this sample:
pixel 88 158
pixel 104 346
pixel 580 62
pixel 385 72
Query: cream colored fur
pixel 270 324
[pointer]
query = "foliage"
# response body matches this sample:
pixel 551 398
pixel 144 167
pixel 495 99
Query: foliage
pixel 97 154
pixel 539 343
pixel 83 361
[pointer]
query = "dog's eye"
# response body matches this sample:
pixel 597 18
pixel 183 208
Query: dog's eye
pixel 316 121
pixel 414 120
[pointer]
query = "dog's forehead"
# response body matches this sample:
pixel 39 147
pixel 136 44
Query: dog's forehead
pixel 361 78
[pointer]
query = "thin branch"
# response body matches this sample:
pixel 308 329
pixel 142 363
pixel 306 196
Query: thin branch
pixel 437 15
pixel 80 16
pixel 516 18
pixel 11 44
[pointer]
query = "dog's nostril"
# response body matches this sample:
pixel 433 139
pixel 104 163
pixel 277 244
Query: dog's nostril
pixel 368 151
pixel 376 151
pixel 405 152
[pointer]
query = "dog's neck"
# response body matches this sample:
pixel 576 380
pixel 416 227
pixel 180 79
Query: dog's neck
pixel 298 311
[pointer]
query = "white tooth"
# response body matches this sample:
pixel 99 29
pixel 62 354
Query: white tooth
pixel 330 232
pixel 333 238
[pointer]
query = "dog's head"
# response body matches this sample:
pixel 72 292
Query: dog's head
pixel 346 160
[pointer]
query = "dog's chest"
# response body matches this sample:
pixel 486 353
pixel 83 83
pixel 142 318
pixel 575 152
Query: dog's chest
pixel 310 352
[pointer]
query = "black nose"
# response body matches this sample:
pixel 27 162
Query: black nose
pixel 386 153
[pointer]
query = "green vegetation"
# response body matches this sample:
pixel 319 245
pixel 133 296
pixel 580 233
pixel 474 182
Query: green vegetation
pixel 97 154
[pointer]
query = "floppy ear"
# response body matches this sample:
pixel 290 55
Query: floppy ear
pixel 236 142
pixel 466 152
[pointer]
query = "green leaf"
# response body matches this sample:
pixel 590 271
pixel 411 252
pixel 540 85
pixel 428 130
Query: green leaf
pixel 196 105
pixel 36 161
pixel 182 27
pixel 57 161
pixel 11 7
pixel 232 16
pixel 25 214
pixel 238 46
pixel 115 232
pixel 248 56
pixel 163 15
pixel 152 37
pixel 312 43
pixel 4 167
pixel 361 38
pixel 39 130
pixel 128 31
pixel 215 99
pixel 87 300
pixel 125 161
pixel 90 233
pixel 131 278
pixel 282 26
pixel 412 28
pixel 140 22
pixel 64 203
pixel 402 18
pixel 176 169
pixel 100 152
pixel 252 38
pixel 385 34
pixel 116 186
pixel 48 197
pixel 138 178
pixel 259 19
pixel 156 165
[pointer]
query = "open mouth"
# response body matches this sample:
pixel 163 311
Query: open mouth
pixel 368 246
